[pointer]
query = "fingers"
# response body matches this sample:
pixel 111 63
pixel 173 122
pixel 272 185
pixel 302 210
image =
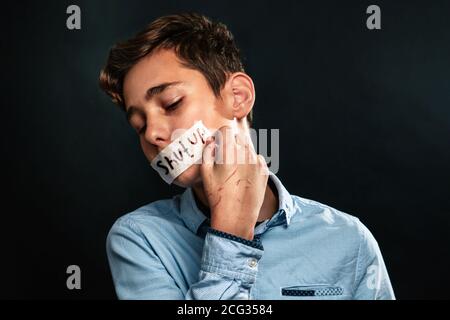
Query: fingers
pixel 231 148
pixel 262 164
pixel 208 154
pixel 245 150
pixel 226 145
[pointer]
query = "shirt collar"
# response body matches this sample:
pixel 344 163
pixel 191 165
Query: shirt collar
pixel 285 204
pixel 193 217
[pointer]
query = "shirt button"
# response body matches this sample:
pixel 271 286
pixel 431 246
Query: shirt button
pixel 252 263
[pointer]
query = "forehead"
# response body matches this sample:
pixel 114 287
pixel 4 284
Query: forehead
pixel 159 67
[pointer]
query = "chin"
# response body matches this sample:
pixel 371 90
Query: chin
pixel 189 177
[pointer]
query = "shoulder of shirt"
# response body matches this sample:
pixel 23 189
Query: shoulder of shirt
pixel 322 215
pixel 156 213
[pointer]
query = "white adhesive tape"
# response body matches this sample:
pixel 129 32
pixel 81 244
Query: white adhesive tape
pixel 183 152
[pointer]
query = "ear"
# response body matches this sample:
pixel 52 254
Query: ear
pixel 242 94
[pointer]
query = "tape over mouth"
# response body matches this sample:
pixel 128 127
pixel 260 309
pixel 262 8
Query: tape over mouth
pixel 181 153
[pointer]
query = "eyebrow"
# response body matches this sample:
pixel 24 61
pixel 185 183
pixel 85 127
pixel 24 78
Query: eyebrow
pixel 151 92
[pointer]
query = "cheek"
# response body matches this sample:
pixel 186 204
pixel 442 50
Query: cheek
pixel 212 119
pixel 206 110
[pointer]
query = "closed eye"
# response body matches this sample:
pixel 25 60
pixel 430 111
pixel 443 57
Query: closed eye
pixel 174 105
pixel 170 107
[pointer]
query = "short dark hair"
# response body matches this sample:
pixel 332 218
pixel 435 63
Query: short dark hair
pixel 200 43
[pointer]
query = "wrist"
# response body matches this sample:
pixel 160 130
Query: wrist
pixel 239 231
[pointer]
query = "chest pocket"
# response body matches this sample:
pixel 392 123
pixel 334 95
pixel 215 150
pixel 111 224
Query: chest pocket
pixel 312 291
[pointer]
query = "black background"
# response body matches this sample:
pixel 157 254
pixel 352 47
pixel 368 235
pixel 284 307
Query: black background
pixel 363 115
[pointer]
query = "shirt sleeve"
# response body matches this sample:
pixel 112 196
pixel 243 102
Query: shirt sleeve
pixel 372 280
pixel 228 268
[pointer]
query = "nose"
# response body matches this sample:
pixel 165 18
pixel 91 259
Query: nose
pixel 157 133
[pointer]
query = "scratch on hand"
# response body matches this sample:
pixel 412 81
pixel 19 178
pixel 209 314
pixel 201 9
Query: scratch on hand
pixel 249 182
pixel 230 176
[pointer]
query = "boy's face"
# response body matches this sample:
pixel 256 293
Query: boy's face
pixel 179 98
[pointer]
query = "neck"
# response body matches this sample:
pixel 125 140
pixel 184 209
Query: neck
pixel 268 208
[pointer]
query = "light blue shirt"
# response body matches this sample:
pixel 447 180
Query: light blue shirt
pixel 307 250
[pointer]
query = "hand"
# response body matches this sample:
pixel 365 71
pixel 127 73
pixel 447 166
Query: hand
pixel 235 181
